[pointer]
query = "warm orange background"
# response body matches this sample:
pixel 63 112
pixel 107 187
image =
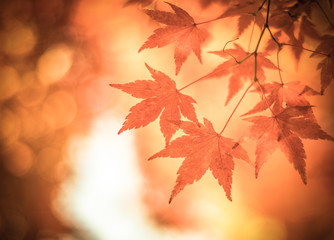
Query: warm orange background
pixel 69 169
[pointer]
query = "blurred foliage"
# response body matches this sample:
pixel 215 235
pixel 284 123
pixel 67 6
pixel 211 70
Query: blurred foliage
pixel 39 109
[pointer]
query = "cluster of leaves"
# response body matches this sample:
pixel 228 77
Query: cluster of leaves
pixel 289 23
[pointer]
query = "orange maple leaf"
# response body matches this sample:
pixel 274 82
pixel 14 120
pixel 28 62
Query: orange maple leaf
pixel 203 149
pixel 284 130
pixel 182 29
pixel 280 96
pixel 239 72
pixel 159 96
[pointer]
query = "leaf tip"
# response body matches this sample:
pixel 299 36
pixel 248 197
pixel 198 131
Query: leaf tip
pixel 142 48
pixel 171 199
pixel 149 68
pixel 120 131
pixel 256 172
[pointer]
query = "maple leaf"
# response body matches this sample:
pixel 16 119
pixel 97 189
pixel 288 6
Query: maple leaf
pixel 289 18
pixel 203 149
pixel 286 23
pixel 327 64
pixel 181 29
pixel 280 96
pixel 160 95
pixel 284 130
pixel 247 12
pixel 307 28
pixel 299 8
pixel 271 44
pixel 244 71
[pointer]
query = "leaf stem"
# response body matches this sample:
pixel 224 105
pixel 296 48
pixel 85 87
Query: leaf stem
pixel 278 65
pixel 229 53
pixel 197 80
pixel 306 49
pixel 251 36
pixel 208 21
pixel 235 108
pixel 265 98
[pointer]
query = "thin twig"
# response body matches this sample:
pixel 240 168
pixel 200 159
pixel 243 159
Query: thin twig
pixel 273 38
pixel 259 9
pixel 238 62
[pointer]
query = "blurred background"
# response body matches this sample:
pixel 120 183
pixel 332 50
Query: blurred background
pixel 66 174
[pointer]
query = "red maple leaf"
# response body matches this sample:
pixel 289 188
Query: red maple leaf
pixel 203 149
pixel 284 130
pixel 327 64
pixel 240 72
pixel 279 96
pixel 160 95
pixel 182 29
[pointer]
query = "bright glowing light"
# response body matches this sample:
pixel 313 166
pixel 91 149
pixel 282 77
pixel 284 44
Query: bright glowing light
pixel 104 196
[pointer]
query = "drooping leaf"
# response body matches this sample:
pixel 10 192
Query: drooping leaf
pixel 247 12
pixel 284 130
pixel 307 28
pixel 326 66
pixel 160 95
pixel 279 96
pixel 291 19
pixel 240 72
pixel 284 22
pixel 181 29
pixel 202 149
